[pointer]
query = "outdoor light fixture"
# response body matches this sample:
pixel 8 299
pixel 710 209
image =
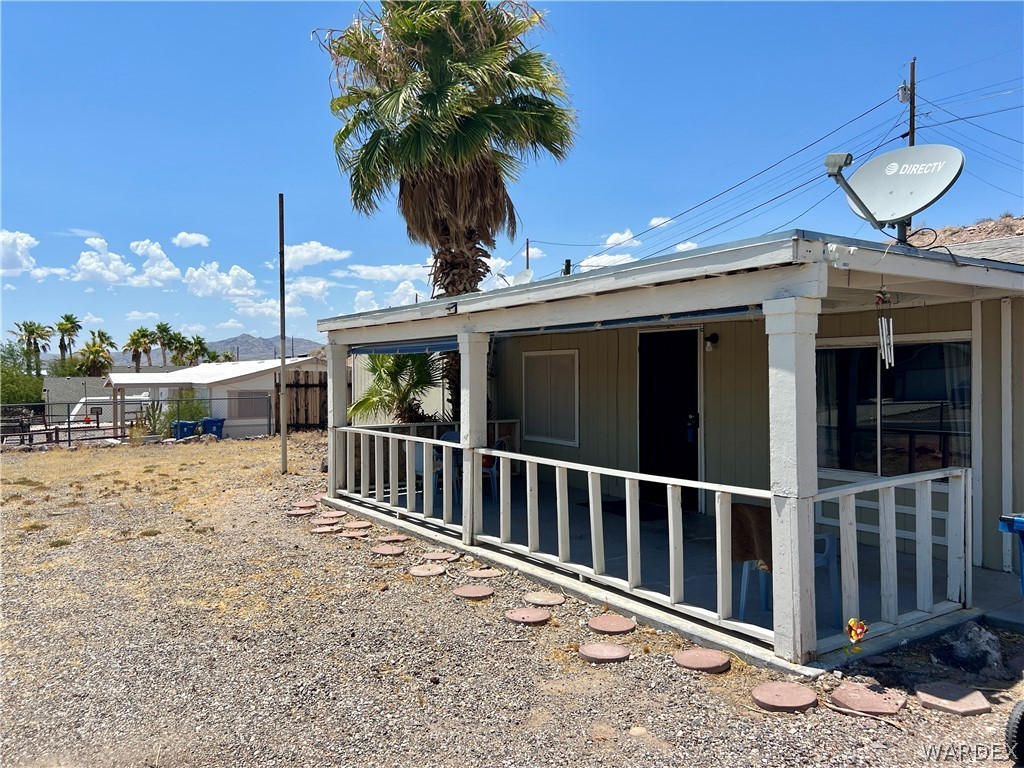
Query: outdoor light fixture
pixel 452 308
pixel 711 342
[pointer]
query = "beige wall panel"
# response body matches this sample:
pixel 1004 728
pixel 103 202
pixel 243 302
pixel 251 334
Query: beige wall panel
pixel 937 319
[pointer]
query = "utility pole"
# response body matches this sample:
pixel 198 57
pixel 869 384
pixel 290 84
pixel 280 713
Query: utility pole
pixel 903 227
pixel 282 400
pixel 527 253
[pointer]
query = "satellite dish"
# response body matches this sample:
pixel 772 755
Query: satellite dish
pixel 899 184
pixel 522 278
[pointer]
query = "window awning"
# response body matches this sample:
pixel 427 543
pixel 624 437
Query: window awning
pixel 444 344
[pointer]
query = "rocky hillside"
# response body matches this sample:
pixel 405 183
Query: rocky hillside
pixel 247 347
pixel 987 229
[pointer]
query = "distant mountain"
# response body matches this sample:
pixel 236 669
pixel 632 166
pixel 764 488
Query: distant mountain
pixel 246 347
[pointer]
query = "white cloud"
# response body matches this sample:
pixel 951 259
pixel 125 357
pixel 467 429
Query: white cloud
pixel 193 328
pixel 208 280
pixel 157 270
pixel 189 239
pixel 384 272
pixel 306 254
pixel 314 287
pixel 101 264
pixel 231 324
pixel 135 316
pixel 689 245
pixel 14 252
pixel 9 287
pixel 90 289
pixel 622 239
pixel 41 273
pixel 266 308
pixel 606 260
pixel 535 252
pixel 365 302
pixel 91 319
pixel 659 221
pixel 492 281
pixel 405 293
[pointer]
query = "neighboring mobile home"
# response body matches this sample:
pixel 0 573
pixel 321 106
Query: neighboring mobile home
pixel 676 411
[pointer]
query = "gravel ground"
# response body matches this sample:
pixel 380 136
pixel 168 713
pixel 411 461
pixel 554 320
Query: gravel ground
pixel 231 636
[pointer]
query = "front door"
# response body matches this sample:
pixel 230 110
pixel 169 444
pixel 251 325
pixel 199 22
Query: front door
pixel 669 419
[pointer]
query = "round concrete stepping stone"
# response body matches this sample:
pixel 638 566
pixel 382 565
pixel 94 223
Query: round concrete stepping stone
pixel 871 700
pixel 334 513
pixel 394 538
pixel 703 660
pixel 473 592
pixel 387 549
pixel 324 529
pixel 447 557
pixel 304 505
pixel 298 512
pixel 528 615
pixel 784 697
pixel 611 624
pixel 485 573
pixel 953 699
pixel 604 653
pixel 544 599
pixel 318 496
pixel 322 520
pixel 422 571
pixel 357 525
pixel 353 534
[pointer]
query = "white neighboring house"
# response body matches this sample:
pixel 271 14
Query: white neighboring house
pixel 241 392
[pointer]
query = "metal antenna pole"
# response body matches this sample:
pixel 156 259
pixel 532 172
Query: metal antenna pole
pixel 282 399
pixel 527 253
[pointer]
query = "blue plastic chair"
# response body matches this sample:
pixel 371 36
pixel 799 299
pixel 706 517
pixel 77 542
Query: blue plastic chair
pixel 438 467
pixel 828 557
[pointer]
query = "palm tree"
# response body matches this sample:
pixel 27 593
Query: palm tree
pixel 399 382
pixel 103 339
pixel 446 101
pixel 94 358
pixel 68 327
pixel 162 333
pixel 197 350
pixel 35 339
pixel 137 343
pixel 178 344
pixel 227 357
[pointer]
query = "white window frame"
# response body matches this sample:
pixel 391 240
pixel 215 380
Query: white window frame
pixel 248 396
pixel 575 442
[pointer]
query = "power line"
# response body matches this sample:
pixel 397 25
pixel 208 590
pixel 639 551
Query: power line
pixel 970 64
pixel 981 114
pixel 946 99
pixel 989 130
pixel 967 141
pixel 984 181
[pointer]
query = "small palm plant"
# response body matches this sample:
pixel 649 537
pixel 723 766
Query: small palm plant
pixel 398 386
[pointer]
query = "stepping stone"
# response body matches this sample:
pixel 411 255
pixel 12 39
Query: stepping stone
pixel 473 592
pixel 304 505
pixel 387 549
pixel 357 525
pixel 952 698
pixel 447 557
pixel 703 660
pixel 334 513
pixel 544 599
pixel 323 521
pixel 422 571
pixel 324 529
pixel 485 573
pixel 604 653
pixel 353 534
pixel 298 512
pixel 318 496
pixel 871 700
pixel 528 615
pixel 395 538
pixel 611 624
pixel 784 697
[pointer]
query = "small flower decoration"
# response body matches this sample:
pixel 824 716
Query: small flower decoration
pixel 855 629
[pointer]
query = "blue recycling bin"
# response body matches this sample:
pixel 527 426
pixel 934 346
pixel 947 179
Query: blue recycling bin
pixel 213 426
pixel 182 429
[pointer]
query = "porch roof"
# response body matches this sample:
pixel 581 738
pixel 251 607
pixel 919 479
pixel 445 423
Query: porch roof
pixel 746 272
pixel 205 374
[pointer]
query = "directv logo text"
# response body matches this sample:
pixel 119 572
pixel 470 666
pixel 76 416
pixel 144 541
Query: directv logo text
pixel 911 169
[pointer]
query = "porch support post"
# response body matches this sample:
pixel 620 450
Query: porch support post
pixel 791 325
pixel 473 429
pixel 337 414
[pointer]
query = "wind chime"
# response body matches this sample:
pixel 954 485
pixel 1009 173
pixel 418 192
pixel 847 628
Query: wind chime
pixel 885 343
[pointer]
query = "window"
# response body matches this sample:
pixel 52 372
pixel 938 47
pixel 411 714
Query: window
pixel 912 417
pixel 551 397
pixel 249 404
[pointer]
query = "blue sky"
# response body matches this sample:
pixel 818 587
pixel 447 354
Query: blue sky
pixel 144 145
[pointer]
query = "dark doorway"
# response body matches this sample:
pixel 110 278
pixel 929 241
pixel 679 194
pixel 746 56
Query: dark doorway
pixel 669 420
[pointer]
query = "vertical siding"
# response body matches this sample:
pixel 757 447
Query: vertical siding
pixel 939 319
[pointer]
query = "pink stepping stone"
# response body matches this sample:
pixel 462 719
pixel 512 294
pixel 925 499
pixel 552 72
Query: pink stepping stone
pixel 387 549
pixel 318 496
pixel 544 599
pixel 604 653
pixel 528 615
pixel 485 573
pixel 352 534
pixel 299 512
pixel 324 529
pixel 703 660
pixel 473 592
pixel 870 700
pixel 444 556
pixel 322 520
pixel 304 505
pixel 333 513
pixel 422 571
pixel 357 525
pixel 953 699
pixel 394 538
pixel 611 624
pixel 784 697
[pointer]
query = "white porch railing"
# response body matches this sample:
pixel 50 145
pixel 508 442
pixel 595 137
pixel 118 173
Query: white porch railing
pixel 869 509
